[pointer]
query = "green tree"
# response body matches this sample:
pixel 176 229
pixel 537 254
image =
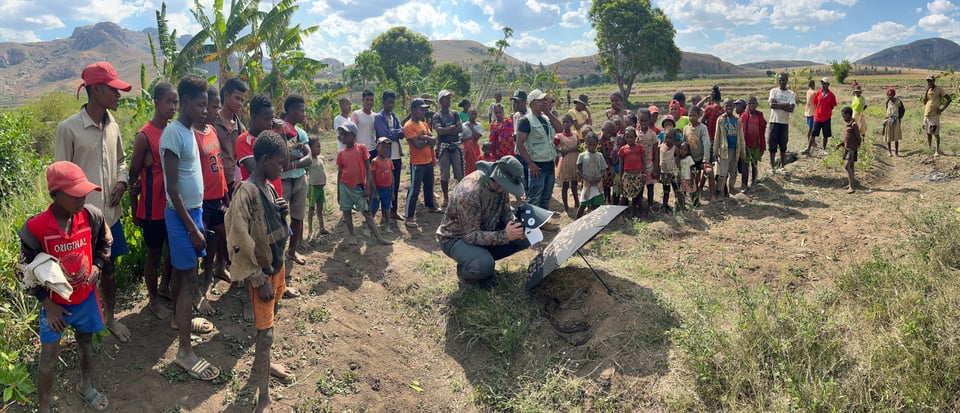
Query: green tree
pixel 176 63
pixel 366 68
pixel 491 69
pixel 223 31
pixel 400 47
pixel 281 45
pixel 451 76
pixel 634 38
pixel 841 69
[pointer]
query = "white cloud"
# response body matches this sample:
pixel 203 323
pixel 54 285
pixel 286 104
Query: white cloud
pixel 803 15
pixel 95 11
pixel 529 15
pixel 940 7
pixel 706 13
pixel 942 25
pixel 534 50
pixel 760 48
pixel 46 21
pixel 575 17
pixel 18 36
pixel 823 51
pixel 883 33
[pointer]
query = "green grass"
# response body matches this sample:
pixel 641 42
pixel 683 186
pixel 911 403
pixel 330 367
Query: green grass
pixel 883 337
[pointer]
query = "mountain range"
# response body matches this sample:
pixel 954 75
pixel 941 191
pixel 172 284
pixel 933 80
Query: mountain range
pixel 30 69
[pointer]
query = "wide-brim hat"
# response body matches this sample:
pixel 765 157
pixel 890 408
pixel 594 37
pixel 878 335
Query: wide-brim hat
pixel 506 172
pixel 582 99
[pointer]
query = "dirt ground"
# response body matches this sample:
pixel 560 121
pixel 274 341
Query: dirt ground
pixel 371 332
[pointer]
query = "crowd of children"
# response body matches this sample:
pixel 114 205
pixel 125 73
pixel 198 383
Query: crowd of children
pixel 235 196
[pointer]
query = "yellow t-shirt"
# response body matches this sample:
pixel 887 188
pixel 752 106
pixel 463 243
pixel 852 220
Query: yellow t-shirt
pixel 934 99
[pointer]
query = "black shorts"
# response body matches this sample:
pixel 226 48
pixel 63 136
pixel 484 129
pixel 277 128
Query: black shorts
pixel 213 211
pixel 822 126
pixel 154 233
pixel 849 155
pixel 779 135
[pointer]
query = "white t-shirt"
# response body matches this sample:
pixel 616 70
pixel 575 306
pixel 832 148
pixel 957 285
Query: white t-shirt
pixel 337 121
pixel 781 96
pixel 686 163
pixel 366 134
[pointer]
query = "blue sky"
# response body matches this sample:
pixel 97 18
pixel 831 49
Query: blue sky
pixel 737 31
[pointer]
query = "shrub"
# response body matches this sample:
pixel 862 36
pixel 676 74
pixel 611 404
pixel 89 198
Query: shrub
pixel 18 163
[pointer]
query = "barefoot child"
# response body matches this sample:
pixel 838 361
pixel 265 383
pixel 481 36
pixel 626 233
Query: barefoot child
pixel 488 155
pixel 634 170
pixel 214 205
pixel 668 166
pixel 382 168
pixel 355 182
pixel 316 197
pixel 851 144
pixel 257 228
pixel 568 146
pixel 754 128
pixel 701 150
pixel 74 236
pixel 891 125
pixel 730 148
pixel 590 167
pixel 608 141
pixel 686 173
pixel 651 155
pixel 147 197
pixel 183 181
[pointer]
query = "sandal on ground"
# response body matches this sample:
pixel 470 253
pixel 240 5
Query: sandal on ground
pixel 411 224
pixel 94 399
pixel 203 366
pixel 396 216
pixel 199 325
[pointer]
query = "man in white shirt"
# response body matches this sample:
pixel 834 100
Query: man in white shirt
pixel 782 103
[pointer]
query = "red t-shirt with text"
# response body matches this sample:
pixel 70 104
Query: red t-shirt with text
pixel 73 250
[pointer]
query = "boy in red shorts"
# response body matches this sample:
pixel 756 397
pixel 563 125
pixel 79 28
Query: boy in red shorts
pixel 75 236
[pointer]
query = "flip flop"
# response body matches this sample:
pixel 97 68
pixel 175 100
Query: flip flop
pixel 411 224
pixel 199 325
pixel 200 367
pixel 94 399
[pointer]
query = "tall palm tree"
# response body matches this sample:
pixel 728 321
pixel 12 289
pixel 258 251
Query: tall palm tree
pixel 281 44
pixel 223 31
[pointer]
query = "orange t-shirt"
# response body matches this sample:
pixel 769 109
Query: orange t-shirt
pixel 411 130
pixel 211 164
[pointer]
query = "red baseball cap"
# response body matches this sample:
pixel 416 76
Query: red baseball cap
pixel 653 109
pixel 66 176
pixel 102 72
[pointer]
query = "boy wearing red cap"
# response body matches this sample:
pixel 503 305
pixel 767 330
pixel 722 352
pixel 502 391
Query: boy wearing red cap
pixel 74 236
pixel 91 140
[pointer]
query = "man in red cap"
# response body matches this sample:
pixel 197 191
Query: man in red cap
pixel 91 139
